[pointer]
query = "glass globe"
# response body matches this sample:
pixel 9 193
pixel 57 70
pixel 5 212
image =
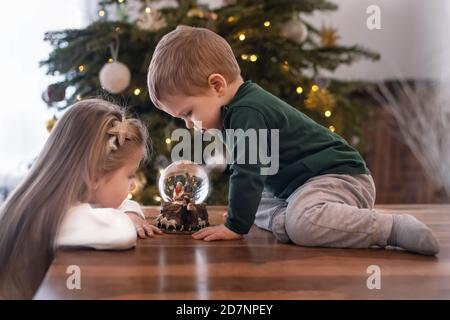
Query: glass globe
pixel 183 180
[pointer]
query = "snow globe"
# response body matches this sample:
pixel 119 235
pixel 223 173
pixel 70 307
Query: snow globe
pixel 184 186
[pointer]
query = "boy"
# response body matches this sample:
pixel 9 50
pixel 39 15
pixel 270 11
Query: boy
pixel 322 194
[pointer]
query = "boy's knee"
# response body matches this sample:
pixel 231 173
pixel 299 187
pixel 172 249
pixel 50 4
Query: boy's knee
pixel 301 228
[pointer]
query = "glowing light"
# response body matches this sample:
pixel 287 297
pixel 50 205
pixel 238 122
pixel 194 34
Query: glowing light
pixel 332 128
pixel 266 24
pixel 315 88
pixel 299 90
pixel 81 68
pixel 148 10
pixel 328 113
pixel 168 141
pixel 244 56
pixel 137 92
pixel 253 57
pixel 242 37
pixel 101 13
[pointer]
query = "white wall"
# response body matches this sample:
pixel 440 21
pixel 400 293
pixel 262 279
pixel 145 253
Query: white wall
pixel 414 37
pixel 22 112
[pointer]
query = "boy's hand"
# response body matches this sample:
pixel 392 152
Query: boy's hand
pixel 143 228
pixel 219 232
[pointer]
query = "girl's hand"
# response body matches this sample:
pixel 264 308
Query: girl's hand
pixel 143 228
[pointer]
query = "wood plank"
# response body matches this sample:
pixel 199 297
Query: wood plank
pixel 256 267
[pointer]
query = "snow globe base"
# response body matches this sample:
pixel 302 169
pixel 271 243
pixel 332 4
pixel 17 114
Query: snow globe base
pixel 179 217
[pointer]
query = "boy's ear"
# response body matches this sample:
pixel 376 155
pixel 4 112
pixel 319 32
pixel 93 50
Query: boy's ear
pixel 218 83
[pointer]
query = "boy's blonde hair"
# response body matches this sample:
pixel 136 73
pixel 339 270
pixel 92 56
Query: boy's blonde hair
pixel 77 152
pixel 185 58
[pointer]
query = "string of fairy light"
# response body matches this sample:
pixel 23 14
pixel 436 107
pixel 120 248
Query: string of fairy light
pixel 301 89
pixel 242 36
pixel 250 57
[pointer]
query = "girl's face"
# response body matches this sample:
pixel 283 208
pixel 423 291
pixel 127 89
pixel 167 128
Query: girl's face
pixel 112 189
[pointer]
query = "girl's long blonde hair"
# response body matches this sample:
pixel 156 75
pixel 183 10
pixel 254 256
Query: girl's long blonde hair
pixel 75 154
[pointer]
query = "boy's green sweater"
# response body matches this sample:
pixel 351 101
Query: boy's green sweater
pixel 306 149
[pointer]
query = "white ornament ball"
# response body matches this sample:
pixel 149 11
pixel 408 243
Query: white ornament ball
pixel 115 77
pixel 295 30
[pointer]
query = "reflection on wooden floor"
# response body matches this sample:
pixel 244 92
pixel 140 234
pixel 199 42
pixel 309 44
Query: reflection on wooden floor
pixel 257 267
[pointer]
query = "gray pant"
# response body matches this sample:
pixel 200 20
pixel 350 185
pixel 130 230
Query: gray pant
pixel 331 210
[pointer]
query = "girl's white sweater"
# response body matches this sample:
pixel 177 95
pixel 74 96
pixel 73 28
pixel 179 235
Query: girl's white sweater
pixel 86 225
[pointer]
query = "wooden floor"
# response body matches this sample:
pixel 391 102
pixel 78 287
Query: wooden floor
pixel 257 267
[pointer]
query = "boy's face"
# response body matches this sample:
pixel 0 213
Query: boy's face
pixel 201 112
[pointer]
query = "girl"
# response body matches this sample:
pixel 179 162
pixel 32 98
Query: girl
pixel 74 195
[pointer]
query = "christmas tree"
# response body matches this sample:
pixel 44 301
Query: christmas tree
pixel 275 46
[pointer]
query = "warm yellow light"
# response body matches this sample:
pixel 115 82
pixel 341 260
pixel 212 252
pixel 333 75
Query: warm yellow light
pixel 244 56
pixel 148 10
pixel 242 37
pixel 168 141
pixel 110 60
pixel 157 198
pixel 328 113
pixel 253 57
pixel 299 89
pixel 137 92
pixel 332 128
pixel 231 19
pixel 101 13
pixel 120 1
pixel 266 24
pixel 315 87
pixel 81 68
